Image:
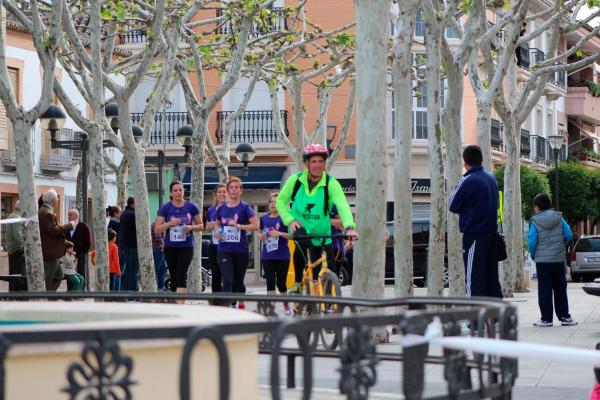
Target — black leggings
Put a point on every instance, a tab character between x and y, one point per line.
178	261
214	267
233	270
276	272
315	253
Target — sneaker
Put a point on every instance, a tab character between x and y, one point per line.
541	323
287	310
296	289
568	322
241	306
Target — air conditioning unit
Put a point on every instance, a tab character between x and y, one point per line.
152	180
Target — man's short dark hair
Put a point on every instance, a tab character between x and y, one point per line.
130	201
472	155
542	201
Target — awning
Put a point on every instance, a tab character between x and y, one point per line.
260	177
583	132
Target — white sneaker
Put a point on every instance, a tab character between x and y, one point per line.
541	323
287	310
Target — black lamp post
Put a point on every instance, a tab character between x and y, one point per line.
245	153
556	142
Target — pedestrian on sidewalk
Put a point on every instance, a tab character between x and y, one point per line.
475	199
548	235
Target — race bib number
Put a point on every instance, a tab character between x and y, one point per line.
272	244
176	234
231	234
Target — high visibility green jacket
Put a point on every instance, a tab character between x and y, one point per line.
308	207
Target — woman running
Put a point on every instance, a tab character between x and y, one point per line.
234	219
178	218
275	255
220	198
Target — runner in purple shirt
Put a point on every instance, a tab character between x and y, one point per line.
220	198
275	255
233	220
178	218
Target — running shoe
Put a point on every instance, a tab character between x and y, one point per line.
542	324
287	310
568	322
296	289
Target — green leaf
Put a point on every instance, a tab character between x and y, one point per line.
579	53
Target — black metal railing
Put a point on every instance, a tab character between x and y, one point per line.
542	149
537	55
525	144
277	22
522	54
166	125
468	375
251	127
496	135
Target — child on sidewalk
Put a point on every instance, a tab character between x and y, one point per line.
114	268
68	264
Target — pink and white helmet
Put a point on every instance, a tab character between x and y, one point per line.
315	149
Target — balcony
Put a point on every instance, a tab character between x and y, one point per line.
496	135
278	22
523	59
166	125
581	104
525	144
8	159
251	127
541	150
55	162
134	35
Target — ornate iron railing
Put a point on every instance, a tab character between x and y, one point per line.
537	55
251	127
134	34
496	135
542	150
523	59
277	22
525	144
166	125
468	376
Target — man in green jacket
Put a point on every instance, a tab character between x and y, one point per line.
15	249
305	202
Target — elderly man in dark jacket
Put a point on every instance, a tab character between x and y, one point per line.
52	236
82	241
548	235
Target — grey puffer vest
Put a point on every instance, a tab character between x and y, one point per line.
551	242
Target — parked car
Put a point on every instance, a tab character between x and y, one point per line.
585	258
420	228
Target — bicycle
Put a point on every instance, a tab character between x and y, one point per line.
327	284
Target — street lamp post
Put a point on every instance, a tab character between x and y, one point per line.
556	142
245	153
53	119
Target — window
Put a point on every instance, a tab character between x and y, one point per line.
550	124
420	122
451	33
420	25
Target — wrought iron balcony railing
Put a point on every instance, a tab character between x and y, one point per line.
523	59
525	144
278	22
251	127
166	125
496	135
134	35
537	55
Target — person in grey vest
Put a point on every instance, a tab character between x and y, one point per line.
548	235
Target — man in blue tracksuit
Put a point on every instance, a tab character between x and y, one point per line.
475	198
